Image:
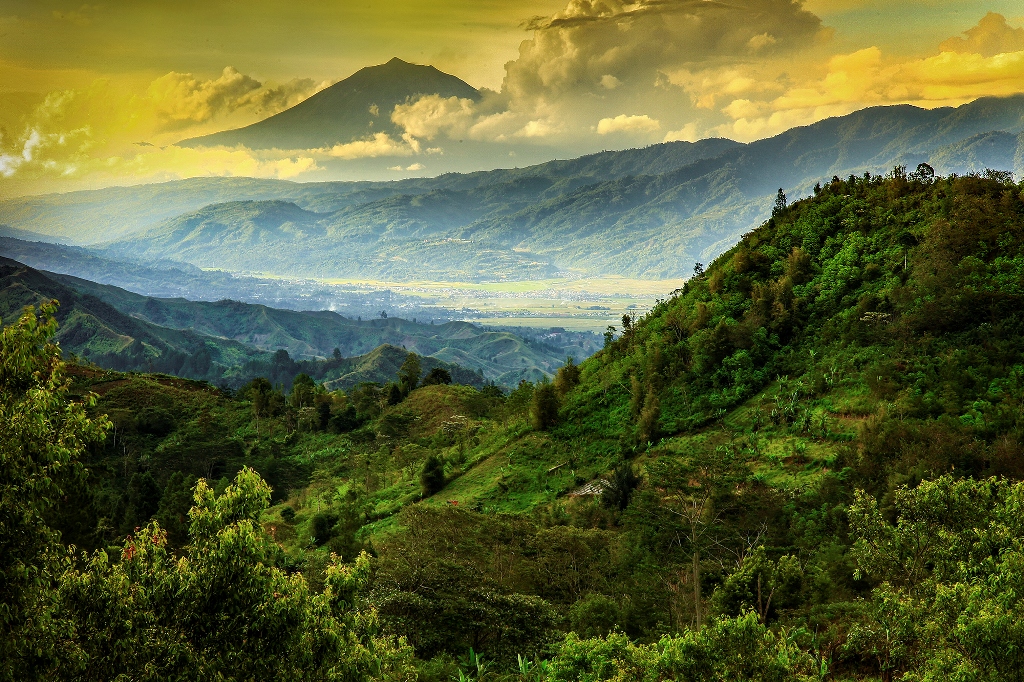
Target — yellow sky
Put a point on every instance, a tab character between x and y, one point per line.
87	88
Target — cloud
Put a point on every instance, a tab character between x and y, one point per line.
867	78
99	132
990	37
596	58
576	48
380	144
623	123
430	115
180	99
688	133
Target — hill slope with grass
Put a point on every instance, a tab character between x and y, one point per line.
807	461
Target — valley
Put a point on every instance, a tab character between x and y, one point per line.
535	341
849	371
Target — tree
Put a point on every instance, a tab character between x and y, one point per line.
42	435
697	492
948	559
621	486
780	203
303	391
432	479
409	373
544	407
260	392
567	377
226	609
438	375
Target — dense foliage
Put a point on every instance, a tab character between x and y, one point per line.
805	464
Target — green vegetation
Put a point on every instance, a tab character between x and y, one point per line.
230	342
804	464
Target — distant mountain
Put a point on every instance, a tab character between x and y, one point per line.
646	213
92	216
98	332
355	108
499	356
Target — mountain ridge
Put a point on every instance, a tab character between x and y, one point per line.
358	106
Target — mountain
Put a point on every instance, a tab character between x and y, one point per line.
98	332
649	224
171	279
92	216
352	109
499	356
645	213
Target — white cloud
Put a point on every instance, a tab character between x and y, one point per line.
627	124
380	144
990	37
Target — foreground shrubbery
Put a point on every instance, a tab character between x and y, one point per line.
870	339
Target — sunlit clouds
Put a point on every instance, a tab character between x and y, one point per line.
577	77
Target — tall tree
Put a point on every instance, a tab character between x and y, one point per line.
409	373
42	435
697	492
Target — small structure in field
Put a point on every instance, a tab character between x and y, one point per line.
594	488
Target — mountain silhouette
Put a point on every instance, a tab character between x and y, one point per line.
352	109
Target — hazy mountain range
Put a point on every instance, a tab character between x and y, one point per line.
117	328
646	212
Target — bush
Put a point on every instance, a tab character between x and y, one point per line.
544	407
432	479
321	527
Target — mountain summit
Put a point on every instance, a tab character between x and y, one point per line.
351	109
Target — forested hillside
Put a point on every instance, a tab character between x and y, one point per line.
804	464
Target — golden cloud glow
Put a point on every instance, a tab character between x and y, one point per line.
681	69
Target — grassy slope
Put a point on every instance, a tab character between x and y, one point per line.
867	337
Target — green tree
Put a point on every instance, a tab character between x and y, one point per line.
780	203
409	373
303	391
226	609
42	435
698	490
438	375
544	407
948	561
621	486
432	479
567	377
260	392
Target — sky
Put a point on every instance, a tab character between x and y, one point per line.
97	94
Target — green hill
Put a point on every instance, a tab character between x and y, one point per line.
92	327
98	332
500	356
868	338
